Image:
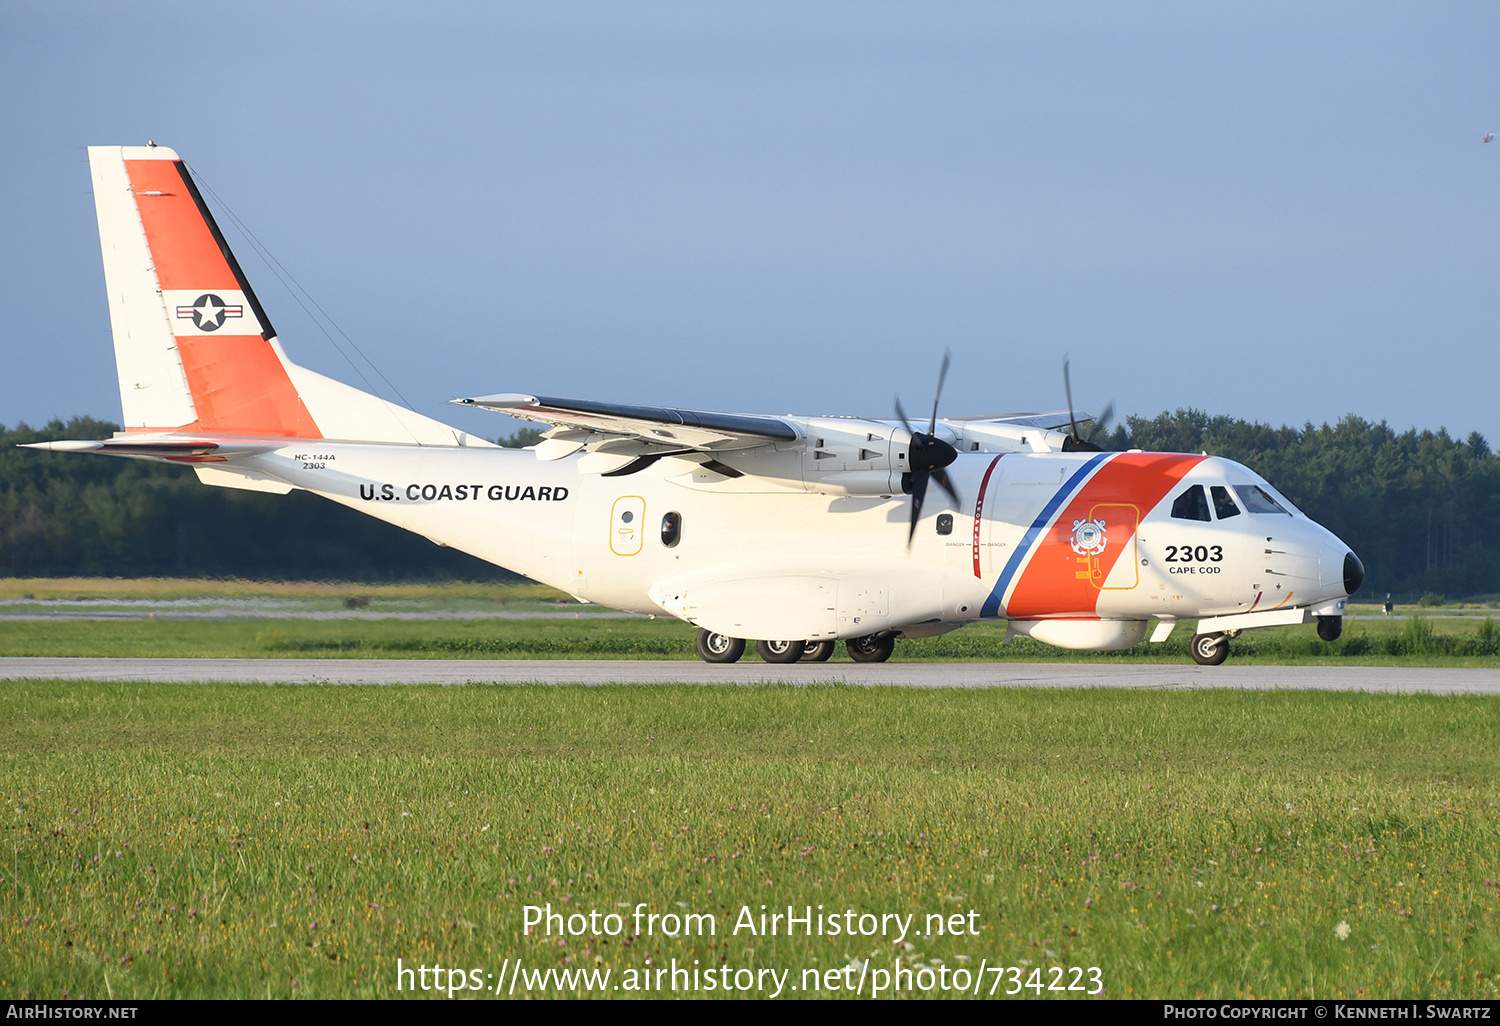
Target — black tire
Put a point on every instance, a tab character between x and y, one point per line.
1209	649
872	648
817	652
781	651
717	648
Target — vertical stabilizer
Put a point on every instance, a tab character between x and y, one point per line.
194	349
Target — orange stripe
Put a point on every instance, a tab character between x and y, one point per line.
240	387
238	384
1058	580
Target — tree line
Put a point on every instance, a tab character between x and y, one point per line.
1421	508
65	514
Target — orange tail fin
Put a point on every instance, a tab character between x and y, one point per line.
194	348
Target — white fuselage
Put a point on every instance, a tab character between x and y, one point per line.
820	565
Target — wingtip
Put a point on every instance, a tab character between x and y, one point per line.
500	401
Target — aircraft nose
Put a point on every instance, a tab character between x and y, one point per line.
1354	573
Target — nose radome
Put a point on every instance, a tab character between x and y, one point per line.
1354	573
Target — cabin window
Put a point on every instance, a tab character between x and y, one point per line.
671	529
945	523
1224	506
1191	505
1257	501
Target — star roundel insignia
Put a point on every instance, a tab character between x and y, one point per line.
209	312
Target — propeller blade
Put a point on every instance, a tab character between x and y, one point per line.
942	376
918	494
927	453
941	477
1068	391
1101	422
901	415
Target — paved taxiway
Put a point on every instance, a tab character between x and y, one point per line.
1429	680
310	614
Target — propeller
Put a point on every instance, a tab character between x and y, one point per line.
1074	442
927	455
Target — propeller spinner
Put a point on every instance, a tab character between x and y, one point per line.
927	455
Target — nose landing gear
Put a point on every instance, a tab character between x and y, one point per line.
1209	649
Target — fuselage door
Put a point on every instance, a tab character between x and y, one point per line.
1121	520
627	525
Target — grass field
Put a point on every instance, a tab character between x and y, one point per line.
1452	635
279	841
106	588
1472	641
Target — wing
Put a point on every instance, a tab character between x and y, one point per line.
1049	421
1024	432
624	430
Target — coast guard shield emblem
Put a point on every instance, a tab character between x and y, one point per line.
1088	537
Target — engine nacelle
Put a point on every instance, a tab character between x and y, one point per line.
1081	635
844	458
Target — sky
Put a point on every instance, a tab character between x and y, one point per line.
1281	212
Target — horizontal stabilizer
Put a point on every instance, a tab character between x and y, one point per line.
171	450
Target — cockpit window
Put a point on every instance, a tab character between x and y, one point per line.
1191	505
1224	506
1257	501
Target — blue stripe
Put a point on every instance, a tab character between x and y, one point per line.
991	606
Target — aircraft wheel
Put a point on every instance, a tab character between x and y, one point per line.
1209	649
817	652
872	648
716	648
781	651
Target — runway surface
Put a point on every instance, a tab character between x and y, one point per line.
312	614
1428	680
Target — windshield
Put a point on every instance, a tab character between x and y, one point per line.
1256	500
1224	506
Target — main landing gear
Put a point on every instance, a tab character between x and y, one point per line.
872	648
781	651
817	652
719	648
